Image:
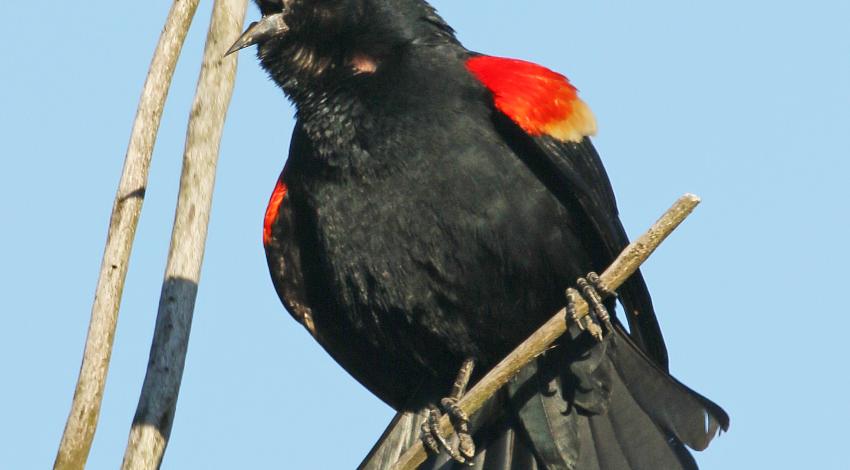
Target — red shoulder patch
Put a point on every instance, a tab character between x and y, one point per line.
273	209
540	101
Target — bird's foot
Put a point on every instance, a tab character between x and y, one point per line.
592	290
434	439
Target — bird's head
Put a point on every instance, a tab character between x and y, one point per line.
311	40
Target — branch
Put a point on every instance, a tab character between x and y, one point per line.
155	412
624	266
85	408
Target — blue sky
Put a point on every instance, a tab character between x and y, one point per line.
746	104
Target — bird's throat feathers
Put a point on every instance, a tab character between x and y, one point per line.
540	101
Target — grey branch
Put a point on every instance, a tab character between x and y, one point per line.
624	266
157	403
85	408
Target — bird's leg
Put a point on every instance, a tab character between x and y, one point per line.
431	435
459	417
591	289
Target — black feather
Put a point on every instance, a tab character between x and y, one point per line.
421	227
632	415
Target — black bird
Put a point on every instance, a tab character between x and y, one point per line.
434	207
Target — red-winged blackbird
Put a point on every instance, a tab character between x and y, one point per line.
435	204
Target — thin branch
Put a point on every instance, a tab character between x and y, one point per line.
157	403
624	266
85	409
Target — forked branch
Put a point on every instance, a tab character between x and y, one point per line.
85	408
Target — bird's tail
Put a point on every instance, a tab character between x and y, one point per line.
584	406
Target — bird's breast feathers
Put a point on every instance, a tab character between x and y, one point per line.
540	101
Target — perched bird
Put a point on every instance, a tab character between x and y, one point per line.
434	207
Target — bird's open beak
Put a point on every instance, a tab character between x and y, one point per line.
260	31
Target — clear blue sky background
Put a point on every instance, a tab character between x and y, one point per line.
745	103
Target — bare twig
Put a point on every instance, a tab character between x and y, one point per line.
624	266
155	412
85	409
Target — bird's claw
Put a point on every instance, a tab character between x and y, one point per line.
593	291
431	435
466	446
433	438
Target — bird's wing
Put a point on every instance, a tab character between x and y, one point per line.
291	275
539	113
